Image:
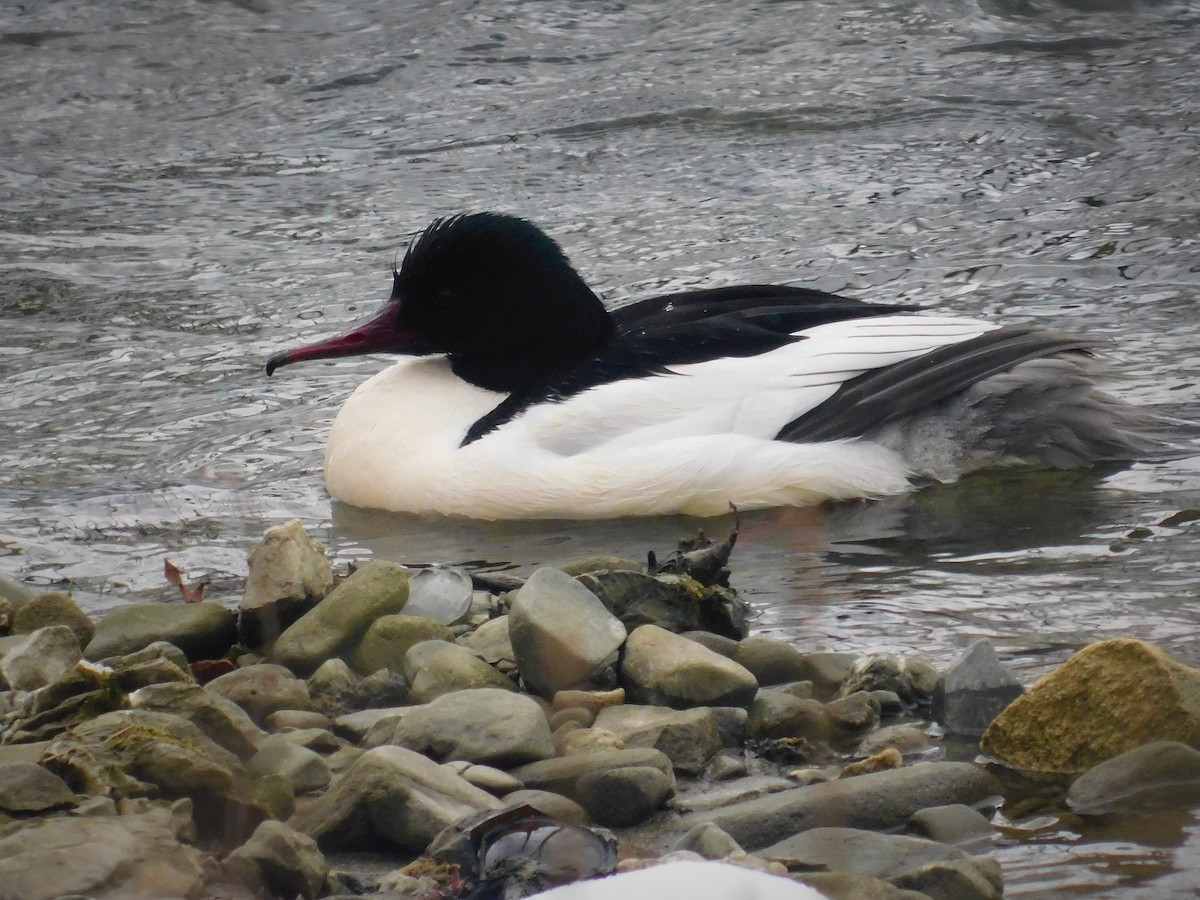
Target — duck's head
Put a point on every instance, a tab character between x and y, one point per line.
491	291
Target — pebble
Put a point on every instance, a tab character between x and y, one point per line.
201	630
1156	776
974	690
340	619
689	738
664	669
262	689
484	725
40	658
562	636
289	572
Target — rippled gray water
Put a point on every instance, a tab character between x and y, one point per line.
185	188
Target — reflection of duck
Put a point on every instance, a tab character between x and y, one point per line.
527	398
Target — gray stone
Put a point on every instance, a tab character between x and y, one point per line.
218	717
486	725
304	768
953	824
319	740
562	635
664	669
855	850
28	788
717	643
14	591
626	796
910	740
731	724
556	806
54	608
883	672
495	781
289	573
136	753
337	622
561	775
332	687
689	738
851	886
781	715
109	857
708	841
262	689
1155	776
828	671
977	878
975	689
42	657
880	800
201	630
453	668
492	642
394	796
356	726
290	719
421	653
389	637
280	861
771	660
853	714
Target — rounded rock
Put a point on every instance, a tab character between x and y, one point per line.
664	669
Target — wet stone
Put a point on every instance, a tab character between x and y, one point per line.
201	630
562	774
708	841
975	689
389	638
664	669
556	806
450	669
262	689
854	850
853	714
689	738
771	661
781	715
485	725
305	769
289	573
624	796
1156	776
40	658
218	717
26	787
53	608
977	878
280	861
953	824
339	621
393	796
562	635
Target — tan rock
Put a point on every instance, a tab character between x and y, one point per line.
1108	698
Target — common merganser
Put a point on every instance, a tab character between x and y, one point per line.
524	397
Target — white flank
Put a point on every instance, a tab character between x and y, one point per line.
692	441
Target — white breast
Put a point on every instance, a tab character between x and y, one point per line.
691	441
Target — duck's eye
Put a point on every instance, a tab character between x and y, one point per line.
444	297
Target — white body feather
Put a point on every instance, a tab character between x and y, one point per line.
691	442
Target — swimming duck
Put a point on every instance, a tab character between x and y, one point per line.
520	395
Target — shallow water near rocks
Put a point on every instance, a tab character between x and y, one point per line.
185	190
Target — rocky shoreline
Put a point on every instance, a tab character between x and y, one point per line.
404	733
